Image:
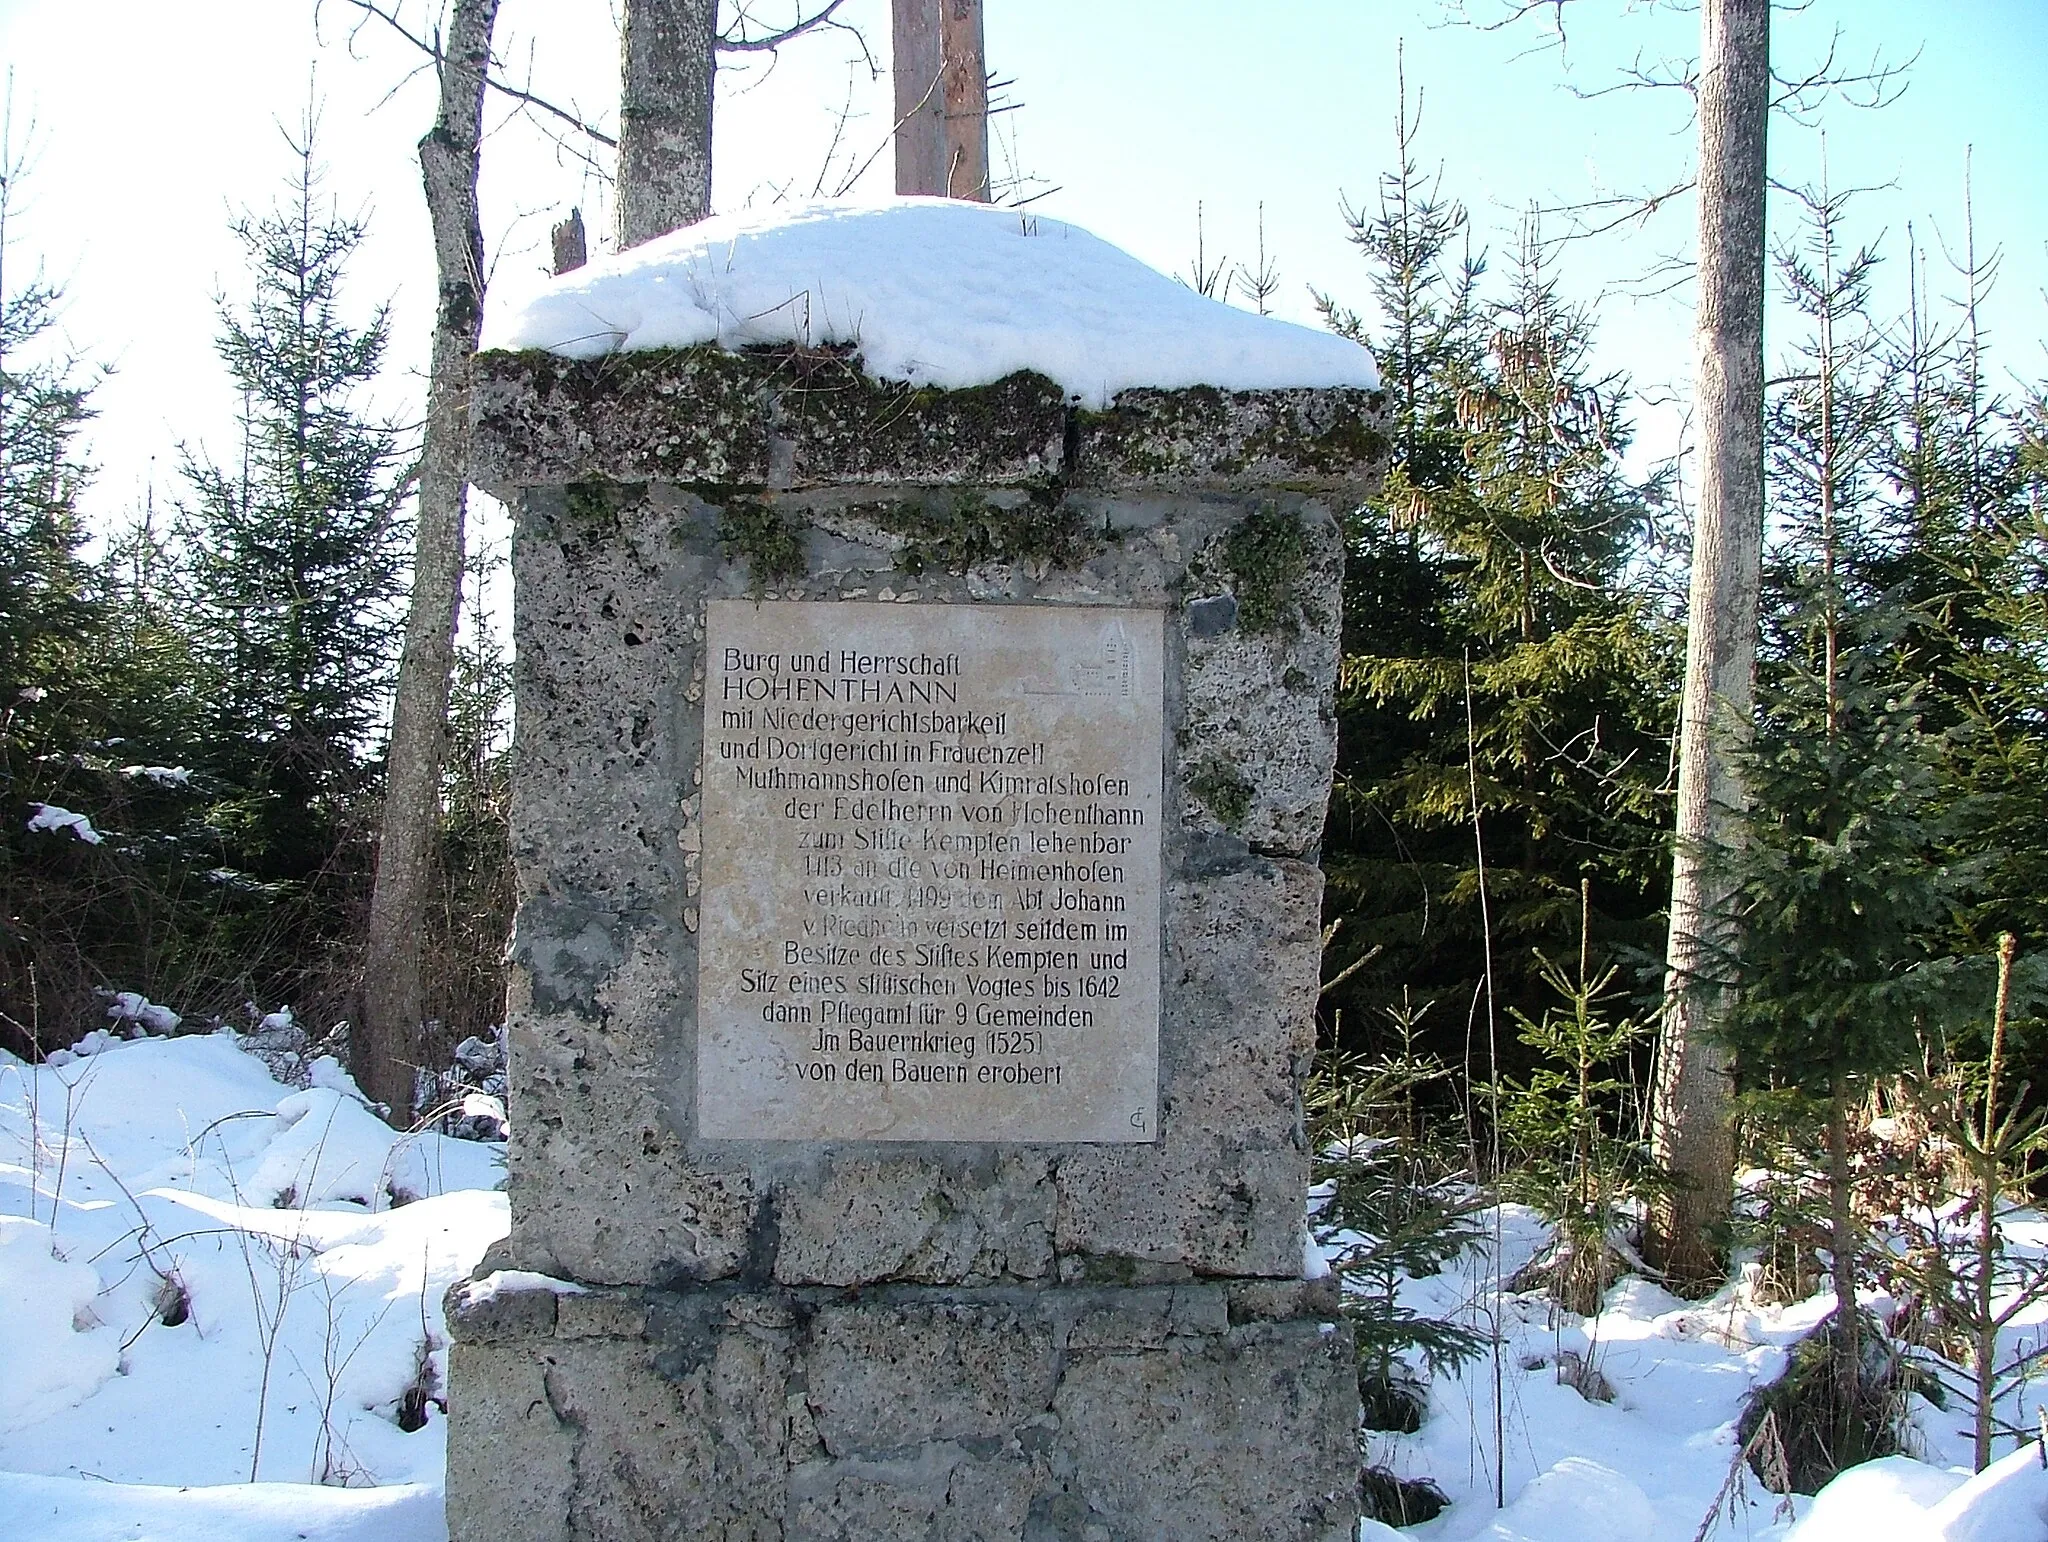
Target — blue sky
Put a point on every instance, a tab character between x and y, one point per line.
153	122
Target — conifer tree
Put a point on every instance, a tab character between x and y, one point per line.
48	612
142	668
1484	577
1424	280
1839	883
1967	555
96	706
1840	895
46	606
294	549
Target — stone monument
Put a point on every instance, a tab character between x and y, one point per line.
917	804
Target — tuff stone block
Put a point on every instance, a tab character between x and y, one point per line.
1052	1340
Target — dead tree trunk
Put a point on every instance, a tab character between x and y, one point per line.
668	66
941	99
570	248
1690	1131
386	1048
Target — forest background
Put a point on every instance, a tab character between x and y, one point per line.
210	697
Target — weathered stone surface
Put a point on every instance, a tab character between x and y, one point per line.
1275	1398
892	1375
912	1415
605	1195
661	1436
974	1222
794	418
1280	1300
1222	1193
776	418
614	1185
514	1466
493	1314
1260	743
1250	441
904	1341
1145	1318
942	1494
601	1314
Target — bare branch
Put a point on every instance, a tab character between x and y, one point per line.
890	139
1664	75
431	47
1878	85
527	98
1512	11
737	41
840	120
1612	213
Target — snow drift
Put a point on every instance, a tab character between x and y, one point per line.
929	291
310	1247
205	1277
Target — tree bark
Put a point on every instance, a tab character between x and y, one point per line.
667	68
570	248
386	1048
1842	1268
1690	1132
1988	1159
941	99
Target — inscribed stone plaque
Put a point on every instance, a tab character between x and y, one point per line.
930	905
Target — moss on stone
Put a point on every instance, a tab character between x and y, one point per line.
760	417
808	417
958	531
1311	436
1266	554
1109	1269
1223	791
770	542
1341	440
597	502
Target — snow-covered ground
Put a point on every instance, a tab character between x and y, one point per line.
193	1256
929	290
207	1276
1652	1461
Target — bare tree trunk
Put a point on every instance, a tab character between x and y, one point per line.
941	99
668	65
1989	1161
386	1047
1689	1119
1842	1267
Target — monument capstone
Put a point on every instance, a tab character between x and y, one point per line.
916	812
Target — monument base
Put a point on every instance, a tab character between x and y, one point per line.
1094	1414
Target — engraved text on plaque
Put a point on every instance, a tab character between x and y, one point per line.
930	903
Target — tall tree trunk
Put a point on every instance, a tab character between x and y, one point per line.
941	99
387	1044
1989	1160
1689	1119
667	68
1850	1441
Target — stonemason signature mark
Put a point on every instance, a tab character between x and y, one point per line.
1107	674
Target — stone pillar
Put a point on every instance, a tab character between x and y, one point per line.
1039	1273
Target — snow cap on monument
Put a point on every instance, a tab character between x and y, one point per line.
931	291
